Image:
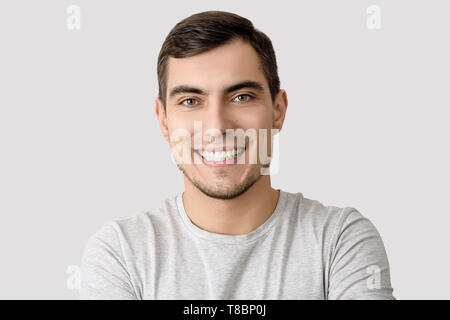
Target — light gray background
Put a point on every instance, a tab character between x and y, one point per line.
366	126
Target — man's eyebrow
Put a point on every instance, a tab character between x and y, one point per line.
250	84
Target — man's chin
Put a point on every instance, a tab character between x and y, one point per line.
223	193
219	190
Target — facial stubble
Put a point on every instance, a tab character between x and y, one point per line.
221	174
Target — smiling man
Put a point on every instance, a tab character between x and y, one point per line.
230	235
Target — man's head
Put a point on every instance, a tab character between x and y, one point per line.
217	69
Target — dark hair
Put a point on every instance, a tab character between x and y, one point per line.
210	29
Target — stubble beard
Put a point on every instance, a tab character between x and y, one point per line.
220	190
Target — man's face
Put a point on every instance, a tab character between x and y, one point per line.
216	108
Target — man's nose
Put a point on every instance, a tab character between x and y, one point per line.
216	121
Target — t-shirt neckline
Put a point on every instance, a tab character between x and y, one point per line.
233	239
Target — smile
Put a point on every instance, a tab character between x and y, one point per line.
221	155
219	158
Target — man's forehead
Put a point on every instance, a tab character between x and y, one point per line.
225	64
233	51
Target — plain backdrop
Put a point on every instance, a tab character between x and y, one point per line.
367	126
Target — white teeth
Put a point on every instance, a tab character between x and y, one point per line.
221	155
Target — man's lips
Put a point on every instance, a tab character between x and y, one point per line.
200	151
221	160
219	149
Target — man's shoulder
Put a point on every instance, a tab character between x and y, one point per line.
316	214
311	209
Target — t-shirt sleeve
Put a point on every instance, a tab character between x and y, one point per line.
104	274
359	268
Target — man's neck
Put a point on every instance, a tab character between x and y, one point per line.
240	215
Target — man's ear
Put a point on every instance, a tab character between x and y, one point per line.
162	119
279	109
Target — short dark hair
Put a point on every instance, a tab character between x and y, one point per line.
208	30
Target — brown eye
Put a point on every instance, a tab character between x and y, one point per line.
190	102
246	97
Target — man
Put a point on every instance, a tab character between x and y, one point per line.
230	235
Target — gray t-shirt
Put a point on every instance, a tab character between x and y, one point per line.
304	250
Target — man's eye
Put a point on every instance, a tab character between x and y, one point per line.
189	102
245	97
